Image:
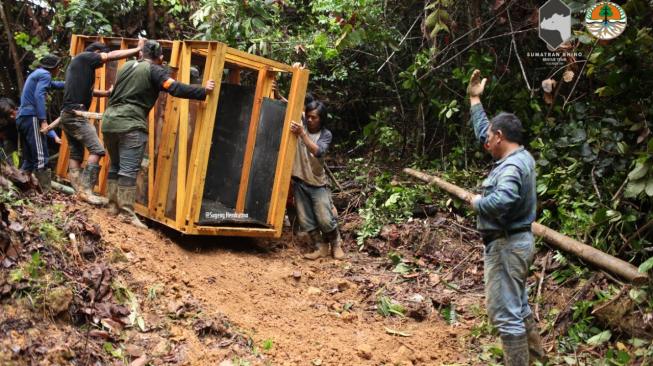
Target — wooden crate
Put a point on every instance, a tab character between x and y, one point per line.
230	175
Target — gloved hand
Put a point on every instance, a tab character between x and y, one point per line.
476	85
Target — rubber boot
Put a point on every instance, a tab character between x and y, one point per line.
44	177
88	180
515	349
112	195
322	250
534	341
126	197
73	177
336	244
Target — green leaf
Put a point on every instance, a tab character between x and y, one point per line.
639	171
649	187
634	188
394	257
646	266
604	91
258	23
402	268
321	40
600	338
392	200
16	275
639	296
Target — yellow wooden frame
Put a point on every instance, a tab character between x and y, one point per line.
191	167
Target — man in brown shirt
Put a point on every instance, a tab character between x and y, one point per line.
312	196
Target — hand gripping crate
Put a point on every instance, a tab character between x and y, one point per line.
220	166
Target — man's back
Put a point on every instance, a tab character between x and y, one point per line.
511	189
80	79
29	99
132	98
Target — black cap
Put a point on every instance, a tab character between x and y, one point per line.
49	61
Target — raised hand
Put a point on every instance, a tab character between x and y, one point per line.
476	85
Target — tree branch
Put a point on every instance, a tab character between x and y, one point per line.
514	45
400	43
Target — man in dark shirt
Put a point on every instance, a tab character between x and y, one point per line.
124	124
78	94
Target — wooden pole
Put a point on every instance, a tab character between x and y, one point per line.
588	253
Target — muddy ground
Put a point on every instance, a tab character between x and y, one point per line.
116	294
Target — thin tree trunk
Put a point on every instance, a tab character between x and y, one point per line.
474	14
12	48
150	19
588	253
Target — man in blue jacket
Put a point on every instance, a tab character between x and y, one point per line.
32	117
506	210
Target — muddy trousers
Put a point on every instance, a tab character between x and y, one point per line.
126	151
80	134
506	267
314	207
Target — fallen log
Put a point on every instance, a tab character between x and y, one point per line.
588	253
62	188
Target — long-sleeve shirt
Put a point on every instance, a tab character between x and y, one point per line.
32	101
309	167
137	88
509	192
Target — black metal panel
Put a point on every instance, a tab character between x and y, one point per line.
227	153
264	161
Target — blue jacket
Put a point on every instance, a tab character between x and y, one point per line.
509	197
32	102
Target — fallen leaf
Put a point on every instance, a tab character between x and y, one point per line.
397	333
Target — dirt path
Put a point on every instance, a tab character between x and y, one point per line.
310	313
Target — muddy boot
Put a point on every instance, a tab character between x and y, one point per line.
126	197
322	247
534	341
73	177
515	349
44	177
88	180
336	244
112	195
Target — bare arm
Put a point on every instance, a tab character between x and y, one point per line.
300	132
120	54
